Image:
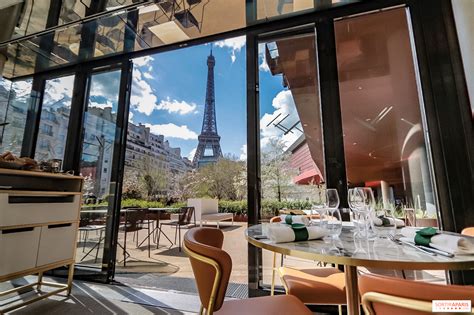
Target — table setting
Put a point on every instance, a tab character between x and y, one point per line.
374	238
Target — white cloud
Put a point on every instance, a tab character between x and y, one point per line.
191	154
263	66
173	131
243	153
235	44
101	105
174	106
284	105
143	61
59	89
148	75
143	99
130	116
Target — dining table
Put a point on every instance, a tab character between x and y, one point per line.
351	252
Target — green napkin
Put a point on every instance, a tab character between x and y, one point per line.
301	232
423	236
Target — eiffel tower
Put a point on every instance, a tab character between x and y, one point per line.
209	147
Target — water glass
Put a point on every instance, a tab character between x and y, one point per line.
333	223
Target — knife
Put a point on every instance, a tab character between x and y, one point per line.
437	251
418	247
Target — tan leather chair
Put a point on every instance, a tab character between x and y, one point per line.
212	267
387	296
469	231
325	286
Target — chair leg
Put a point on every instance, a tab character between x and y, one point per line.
149	255
272	292
179	231
98	246
339	308
175	234
125	249
159	234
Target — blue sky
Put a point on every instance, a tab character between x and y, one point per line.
169	89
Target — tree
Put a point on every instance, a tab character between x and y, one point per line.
131	187
224	179
154	179
276	169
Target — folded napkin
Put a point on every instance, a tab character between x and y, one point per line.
457	245
379	221
282	233
292	219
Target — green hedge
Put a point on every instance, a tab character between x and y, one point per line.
269	207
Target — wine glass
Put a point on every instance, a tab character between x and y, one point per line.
368	210
356	204
319	206
332	199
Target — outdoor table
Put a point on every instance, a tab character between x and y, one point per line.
353	253
158	223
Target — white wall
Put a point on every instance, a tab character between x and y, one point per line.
464	18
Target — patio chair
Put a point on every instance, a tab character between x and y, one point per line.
212	267
85	227
322	286
387	296
469	231
134	221
184	219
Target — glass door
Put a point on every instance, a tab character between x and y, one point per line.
99	134
291	136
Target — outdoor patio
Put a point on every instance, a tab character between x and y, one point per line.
168	268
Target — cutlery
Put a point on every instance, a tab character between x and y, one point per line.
400	242
437	251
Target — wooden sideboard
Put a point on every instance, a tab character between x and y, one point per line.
39	218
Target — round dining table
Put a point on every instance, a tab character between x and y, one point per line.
352	253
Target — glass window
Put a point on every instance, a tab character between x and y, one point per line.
96	161
54	119
384	139
14	102
292	154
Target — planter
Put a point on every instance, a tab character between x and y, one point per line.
425	222
240	218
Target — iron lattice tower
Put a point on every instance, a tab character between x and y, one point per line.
209	147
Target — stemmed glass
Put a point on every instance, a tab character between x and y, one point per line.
332	199
369	207
320	206
358	202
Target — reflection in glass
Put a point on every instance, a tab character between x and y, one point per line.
14	102
292	156
384	142
96	163
139	27
275	8
54	119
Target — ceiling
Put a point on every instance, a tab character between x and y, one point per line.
114	33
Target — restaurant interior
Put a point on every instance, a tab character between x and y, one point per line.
236	157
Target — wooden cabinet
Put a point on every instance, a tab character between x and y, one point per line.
39	219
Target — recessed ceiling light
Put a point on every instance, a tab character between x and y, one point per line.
367	119
355	143
359	87
306	125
